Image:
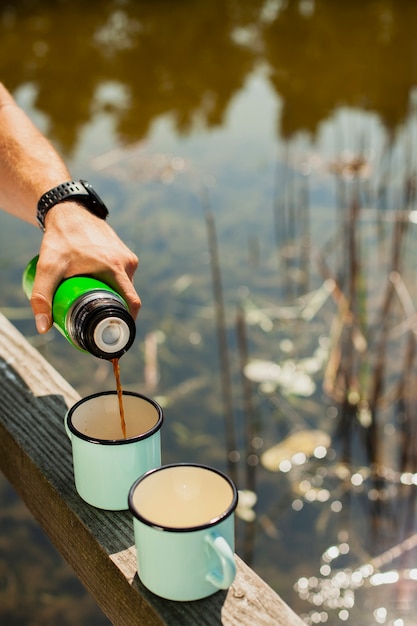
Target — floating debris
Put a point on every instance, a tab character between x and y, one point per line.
259	371
316	299
305	308
297	446
247	500
290	376
182	283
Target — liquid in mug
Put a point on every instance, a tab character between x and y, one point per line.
182	497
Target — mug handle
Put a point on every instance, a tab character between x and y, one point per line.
221	577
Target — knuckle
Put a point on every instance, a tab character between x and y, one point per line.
40	303
45	265
134	261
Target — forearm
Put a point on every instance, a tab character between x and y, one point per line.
75	241
29	165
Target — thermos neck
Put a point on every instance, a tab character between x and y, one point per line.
99	323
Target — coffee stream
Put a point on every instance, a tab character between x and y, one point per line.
116	370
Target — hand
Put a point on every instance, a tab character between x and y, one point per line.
76	242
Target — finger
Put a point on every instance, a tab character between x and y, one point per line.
132	300
42	312
43	290
131	266
123	285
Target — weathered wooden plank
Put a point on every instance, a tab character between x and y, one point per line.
35	457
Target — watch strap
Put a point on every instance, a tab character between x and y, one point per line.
78	191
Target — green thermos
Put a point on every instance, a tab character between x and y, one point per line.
91	315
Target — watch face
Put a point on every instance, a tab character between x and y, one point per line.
99	208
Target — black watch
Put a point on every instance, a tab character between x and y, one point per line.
79	191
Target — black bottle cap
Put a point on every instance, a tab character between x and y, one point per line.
105	328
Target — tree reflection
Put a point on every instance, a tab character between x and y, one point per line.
176	59
189	59
343	53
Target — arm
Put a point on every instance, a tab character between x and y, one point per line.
75	241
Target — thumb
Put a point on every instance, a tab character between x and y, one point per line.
42	309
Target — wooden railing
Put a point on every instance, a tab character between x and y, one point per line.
35	457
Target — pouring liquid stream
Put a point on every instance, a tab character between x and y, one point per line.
116	370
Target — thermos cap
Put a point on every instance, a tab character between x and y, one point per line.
100	323
111	335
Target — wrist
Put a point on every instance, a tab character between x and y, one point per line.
69	219
80	192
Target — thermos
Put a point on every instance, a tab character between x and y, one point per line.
91	315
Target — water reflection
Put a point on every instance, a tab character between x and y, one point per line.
366	370
140	60
297	256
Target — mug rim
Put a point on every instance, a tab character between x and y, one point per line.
175	529
114	442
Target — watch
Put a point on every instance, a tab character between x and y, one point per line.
79	191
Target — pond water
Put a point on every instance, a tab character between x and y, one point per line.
260	158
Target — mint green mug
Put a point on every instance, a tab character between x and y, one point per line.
105	462
183	519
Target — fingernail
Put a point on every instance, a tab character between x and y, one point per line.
42	323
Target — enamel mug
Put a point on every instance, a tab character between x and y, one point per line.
105	462
183	518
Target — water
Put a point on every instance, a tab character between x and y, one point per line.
262	165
